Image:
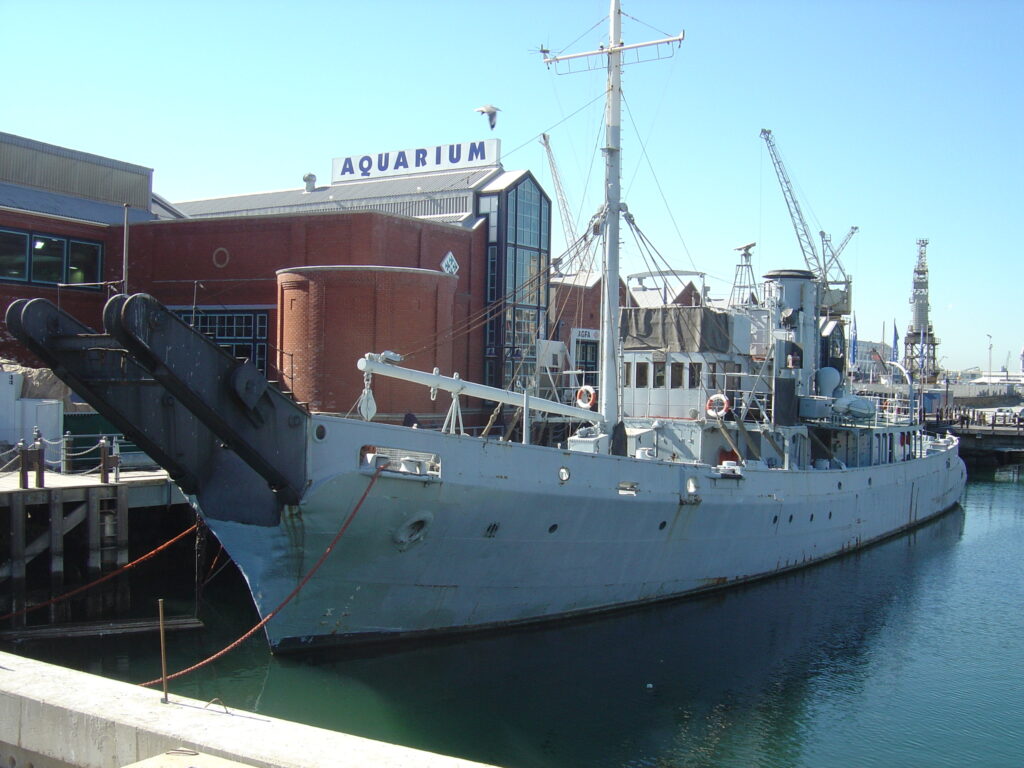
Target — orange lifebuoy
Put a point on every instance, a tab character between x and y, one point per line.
586	397
717	406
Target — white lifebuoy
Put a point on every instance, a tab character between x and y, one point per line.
718	406
586	397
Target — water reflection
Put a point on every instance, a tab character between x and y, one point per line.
713	680
722	680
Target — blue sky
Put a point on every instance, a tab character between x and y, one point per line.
901	117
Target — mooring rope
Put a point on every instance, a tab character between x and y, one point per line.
298	588
101	579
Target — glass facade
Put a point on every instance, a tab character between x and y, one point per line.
517	280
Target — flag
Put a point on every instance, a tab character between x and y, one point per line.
895	342
853	342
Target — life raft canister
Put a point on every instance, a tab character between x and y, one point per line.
586	397
718	406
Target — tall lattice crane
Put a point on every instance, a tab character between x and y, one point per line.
836	296
563	203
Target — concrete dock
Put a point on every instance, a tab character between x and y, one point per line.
52	717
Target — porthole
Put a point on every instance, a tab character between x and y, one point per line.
791	518
840	485
321	432
553	528
775	520
829	515
563	474
869	481
812	517
661	525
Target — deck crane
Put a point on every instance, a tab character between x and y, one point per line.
563	203
836	297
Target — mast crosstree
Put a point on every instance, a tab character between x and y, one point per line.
612	54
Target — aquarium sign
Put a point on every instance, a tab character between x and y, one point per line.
442	157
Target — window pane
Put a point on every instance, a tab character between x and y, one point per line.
13	255
627	378
83	262
47	259
677	375
545	217
641	375
694	376
659	375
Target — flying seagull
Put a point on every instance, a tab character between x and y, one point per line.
491	112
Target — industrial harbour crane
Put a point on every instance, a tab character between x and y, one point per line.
827	268
563	202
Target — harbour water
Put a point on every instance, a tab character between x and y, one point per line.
908	654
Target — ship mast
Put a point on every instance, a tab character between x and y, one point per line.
610	310
609	403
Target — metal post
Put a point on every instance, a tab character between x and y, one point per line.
163	649
65	454
22	465
104	468
40	458
526	416
124	254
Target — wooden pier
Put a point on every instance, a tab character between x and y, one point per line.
988	445
64	531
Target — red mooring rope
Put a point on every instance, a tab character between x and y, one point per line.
101	579
263	622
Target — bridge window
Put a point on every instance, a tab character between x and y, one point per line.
641	375
659	375
676	379
694	376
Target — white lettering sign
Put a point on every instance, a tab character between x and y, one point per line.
586	334
418	160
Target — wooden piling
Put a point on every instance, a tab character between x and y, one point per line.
123	585
94	562
58	611
17	549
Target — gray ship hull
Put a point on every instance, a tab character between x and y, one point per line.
502	534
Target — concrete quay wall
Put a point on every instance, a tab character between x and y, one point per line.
51	717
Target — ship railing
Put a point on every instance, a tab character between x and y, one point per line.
888	411
749	395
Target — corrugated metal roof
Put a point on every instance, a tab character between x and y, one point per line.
57	169
66	206
445	194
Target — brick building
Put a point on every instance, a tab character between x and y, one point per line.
449	263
